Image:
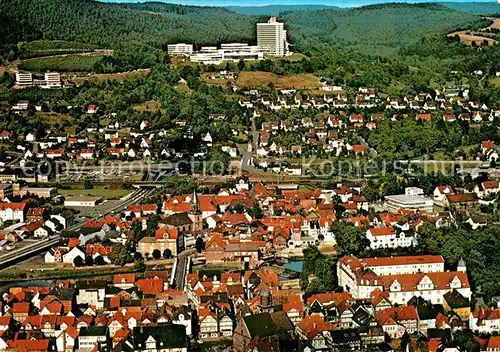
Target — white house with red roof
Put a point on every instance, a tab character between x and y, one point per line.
387	237
398	320
485	320
487	188
92	109
12	211
440	192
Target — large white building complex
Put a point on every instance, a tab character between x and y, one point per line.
24	78
413	199
231	52
271	40
271	37
50	80
402	278
180	49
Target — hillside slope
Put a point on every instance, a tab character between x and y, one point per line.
275	10
376	29
106	24
480	8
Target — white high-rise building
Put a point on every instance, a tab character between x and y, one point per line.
52	80
24	78
180	49
271	37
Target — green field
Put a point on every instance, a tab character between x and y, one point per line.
96	191
40	48
62	63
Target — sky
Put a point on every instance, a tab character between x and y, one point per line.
341	3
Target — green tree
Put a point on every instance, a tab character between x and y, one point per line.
89	261
167	254
465	339
350	240
311	256
218	162
314	286
156	254
78	261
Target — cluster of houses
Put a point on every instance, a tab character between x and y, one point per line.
96	142
127	314
328	132
20	220
382	300
291	99
290	219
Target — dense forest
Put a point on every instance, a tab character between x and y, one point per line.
113	25
375	30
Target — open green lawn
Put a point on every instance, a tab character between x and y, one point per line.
62	63
496	81
96	191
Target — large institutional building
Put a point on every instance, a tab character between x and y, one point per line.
231	52
402	277
271	40
271	37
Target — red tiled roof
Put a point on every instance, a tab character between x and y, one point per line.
493	342
29	345
396	314
461	197
487	145
150	286
358	148
402	260
21	307
313	325
166	233
425	117
328	297
490	184
73	242
487	314
382	231
13	206
124	278
293	302
216	238
441	280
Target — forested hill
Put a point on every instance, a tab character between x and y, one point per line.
375	29
275	10
481	8
107	24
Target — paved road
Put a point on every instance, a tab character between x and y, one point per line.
181	269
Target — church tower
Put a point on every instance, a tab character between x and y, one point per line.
195	213
462	266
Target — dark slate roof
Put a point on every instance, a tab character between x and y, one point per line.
429	311
456	300
91	284
261	325
345	336
178	219
165	335
93	331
